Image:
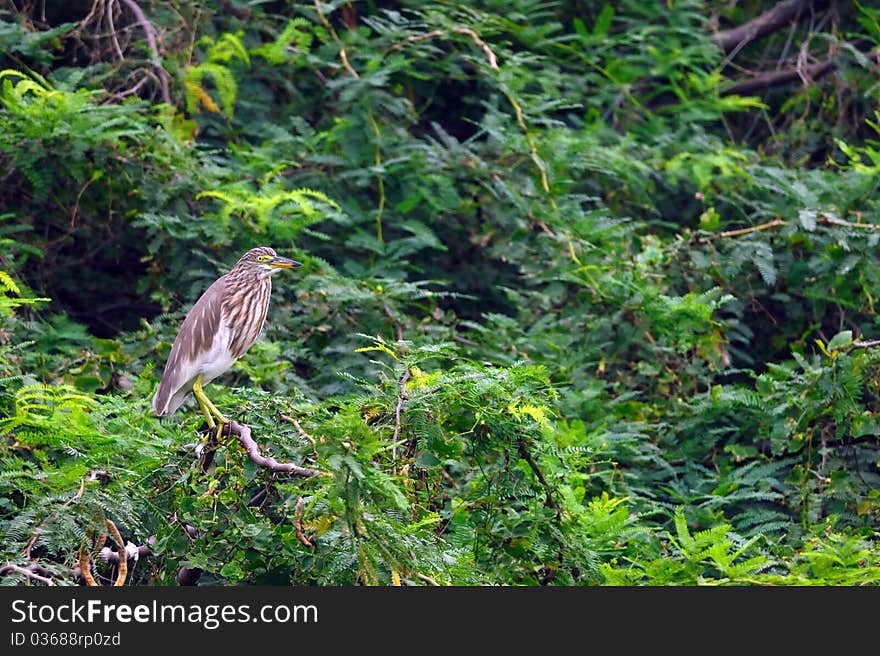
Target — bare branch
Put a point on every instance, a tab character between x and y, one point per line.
401	399
806	74
150	33
243	433
744	231
770	21
28	571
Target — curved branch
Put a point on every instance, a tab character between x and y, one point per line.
779	78
31	572
243	433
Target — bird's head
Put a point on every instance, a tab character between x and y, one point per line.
265	262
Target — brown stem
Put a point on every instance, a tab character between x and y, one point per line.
770	21
400	401
763	81
243	433
297	524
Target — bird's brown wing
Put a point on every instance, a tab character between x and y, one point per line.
193	340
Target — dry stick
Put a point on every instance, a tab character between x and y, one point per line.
113	37
26	571
299	428
122	573
297	524
243	433
830	220
150	33
849	224
806	74
400	401
744	231
869	344
426	579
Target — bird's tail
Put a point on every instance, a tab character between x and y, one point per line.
161	399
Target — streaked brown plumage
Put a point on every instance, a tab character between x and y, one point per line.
219	329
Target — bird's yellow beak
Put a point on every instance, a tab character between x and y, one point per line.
283	263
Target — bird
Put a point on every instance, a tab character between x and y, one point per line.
218	330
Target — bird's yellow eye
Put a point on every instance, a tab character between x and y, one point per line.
263	258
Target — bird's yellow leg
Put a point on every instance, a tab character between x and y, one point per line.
208	409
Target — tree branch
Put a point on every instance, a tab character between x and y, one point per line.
778	78
243	433
150	33
30	572
770	21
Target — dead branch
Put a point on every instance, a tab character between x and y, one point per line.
91	476
744	231
150	33
401	399
299	428
243	433
342	56
829	220
31	572
806	74
772	20
869	344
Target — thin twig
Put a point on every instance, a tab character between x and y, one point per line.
297	524
744	231
401	398
493	61
113	36
299	428
869	344
342	56
52	518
